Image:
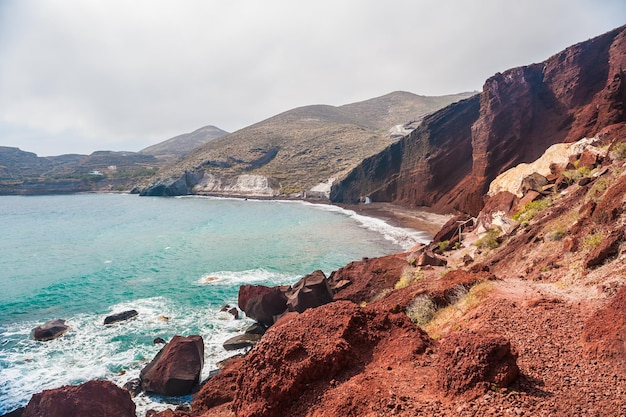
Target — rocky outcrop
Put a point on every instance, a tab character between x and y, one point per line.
50	330
604	335
117	317
317	347
449	161
176	369
173	187
241	185
93	398
309	292
363	280
470	361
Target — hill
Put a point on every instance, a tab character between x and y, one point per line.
181	145
300	148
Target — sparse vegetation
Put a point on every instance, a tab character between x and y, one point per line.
421	310
531	209
444	245
597	189
619	151
408	277
574	175
489	240
593	240
449	317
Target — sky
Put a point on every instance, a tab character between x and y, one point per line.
78	76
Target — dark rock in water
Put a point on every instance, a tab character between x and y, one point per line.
49	330
93	398
262	303
310	292
225	307
234	312
133	387
15	413
176	369
242	341
256	328
159	340
125	315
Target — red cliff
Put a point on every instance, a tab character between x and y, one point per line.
449	161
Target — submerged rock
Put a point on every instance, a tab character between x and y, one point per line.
125	315
50	330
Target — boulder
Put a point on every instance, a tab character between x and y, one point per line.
93	398
176	369
133	387
309	292
256	328
471	363
608	248
246	340
429	258
49	330
124	315
262	303
159	341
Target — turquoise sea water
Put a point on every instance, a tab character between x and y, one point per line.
82	257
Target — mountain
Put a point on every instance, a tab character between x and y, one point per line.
298	149
180	145
450	159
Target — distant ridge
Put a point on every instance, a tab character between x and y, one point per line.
181	145
300	148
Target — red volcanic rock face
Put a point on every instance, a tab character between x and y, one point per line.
448	162
368	277
93	398
318	346
474	361
604	335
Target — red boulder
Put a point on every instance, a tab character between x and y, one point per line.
262	303
175	370
93	398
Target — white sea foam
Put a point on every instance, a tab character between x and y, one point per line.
246	277
116	352
403	237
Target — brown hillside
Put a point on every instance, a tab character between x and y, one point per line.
302	147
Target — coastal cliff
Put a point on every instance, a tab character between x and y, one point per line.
449	161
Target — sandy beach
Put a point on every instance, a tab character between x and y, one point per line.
422	219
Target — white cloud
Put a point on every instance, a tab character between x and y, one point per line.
82	75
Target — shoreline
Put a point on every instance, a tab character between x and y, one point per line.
420	219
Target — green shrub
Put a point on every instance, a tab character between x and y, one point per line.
444	245
531	209
489	240
593	240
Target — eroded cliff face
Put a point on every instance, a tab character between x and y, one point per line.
449	161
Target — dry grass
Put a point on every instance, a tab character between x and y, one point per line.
449	318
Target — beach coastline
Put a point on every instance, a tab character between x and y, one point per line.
421	219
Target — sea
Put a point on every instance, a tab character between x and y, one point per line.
176	261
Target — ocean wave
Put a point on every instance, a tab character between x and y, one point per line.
252	276
118	352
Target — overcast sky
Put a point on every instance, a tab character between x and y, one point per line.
83	75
